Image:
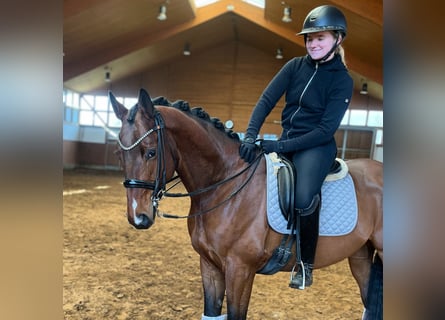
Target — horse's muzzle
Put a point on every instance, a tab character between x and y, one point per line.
143	222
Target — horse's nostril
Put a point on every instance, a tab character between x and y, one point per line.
143	222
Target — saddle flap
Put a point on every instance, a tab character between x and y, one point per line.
286	187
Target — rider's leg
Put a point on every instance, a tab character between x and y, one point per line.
312	166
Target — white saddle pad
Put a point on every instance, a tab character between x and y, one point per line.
338	215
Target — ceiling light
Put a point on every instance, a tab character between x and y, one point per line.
286	15
364	89
279	54
186	51
107	77
162	12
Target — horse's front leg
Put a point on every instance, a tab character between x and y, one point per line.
239	282
214	288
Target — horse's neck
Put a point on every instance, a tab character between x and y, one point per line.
203	159
201	168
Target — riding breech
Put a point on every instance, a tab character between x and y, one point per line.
312	166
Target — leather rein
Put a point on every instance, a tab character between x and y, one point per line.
159	186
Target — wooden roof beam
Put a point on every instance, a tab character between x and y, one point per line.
203	15
371	10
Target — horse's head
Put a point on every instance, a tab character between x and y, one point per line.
143	156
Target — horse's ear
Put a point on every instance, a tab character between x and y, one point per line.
145	102
119	109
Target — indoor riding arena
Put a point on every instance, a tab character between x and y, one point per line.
218	55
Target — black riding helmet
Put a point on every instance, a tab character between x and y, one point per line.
325	18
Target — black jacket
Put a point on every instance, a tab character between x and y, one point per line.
317	96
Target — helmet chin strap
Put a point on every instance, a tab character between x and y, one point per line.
328	54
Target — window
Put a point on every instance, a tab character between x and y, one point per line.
256	3
86	110
358	117
379	137
129	102
101	110
101	103
113	121
92	110
360	127
345	119
70	98
71	103
202	3
375	119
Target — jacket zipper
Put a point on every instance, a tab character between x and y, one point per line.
301	96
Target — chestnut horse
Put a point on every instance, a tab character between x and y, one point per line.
227	221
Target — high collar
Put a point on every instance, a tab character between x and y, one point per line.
334	64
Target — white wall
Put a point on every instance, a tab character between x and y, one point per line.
84	133
378	153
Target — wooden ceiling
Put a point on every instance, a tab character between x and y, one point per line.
127	37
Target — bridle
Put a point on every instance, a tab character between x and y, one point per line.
159	186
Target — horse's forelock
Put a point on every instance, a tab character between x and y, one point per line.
132	113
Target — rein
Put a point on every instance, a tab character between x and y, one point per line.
215	185
256	162
159	185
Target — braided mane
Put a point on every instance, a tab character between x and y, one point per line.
197	112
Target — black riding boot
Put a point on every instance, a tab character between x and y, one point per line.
308	241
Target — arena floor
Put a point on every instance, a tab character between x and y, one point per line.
113	271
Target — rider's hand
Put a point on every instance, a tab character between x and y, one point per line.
270	146
247	149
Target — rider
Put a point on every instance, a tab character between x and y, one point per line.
318	89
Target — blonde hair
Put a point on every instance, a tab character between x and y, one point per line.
341	52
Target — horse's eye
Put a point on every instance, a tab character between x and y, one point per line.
150	154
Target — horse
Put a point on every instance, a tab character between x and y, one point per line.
159	142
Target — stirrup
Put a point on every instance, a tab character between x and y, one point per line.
302	278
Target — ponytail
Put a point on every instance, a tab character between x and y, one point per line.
338	49
341	52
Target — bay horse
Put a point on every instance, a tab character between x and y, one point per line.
227	220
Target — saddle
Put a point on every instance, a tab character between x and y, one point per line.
285	190
286	178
